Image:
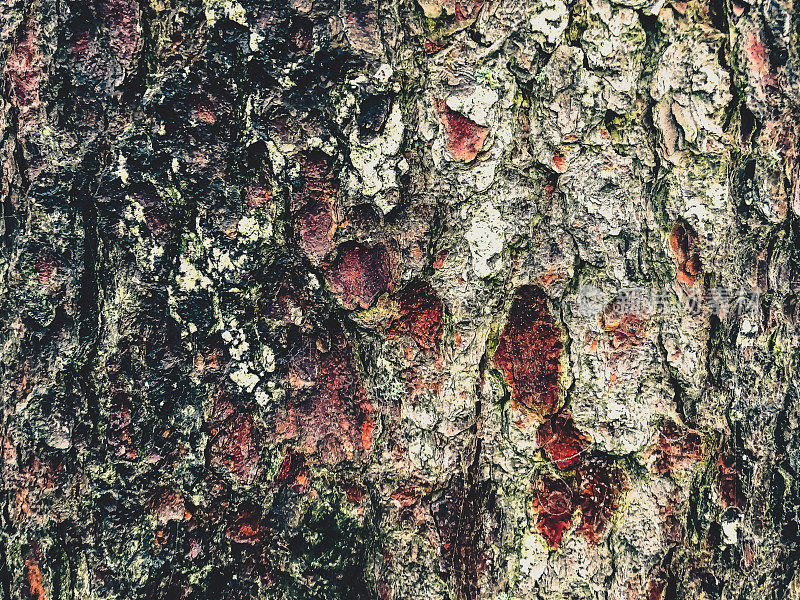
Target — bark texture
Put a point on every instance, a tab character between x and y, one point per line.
390	299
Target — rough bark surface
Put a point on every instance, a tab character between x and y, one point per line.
390	299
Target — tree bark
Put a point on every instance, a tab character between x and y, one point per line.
400	299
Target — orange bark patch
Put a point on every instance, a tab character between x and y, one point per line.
421	316
529	350
683	241
561	441
246	527
33	576
168	505
359	274
354	492
257	196
464	137
559	162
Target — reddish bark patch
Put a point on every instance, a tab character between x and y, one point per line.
431	47
354	492
600	485
156	214
360	274
529	350
758	60
361	27
559	162
236	446
468	11
294	472
26	71
45	266
33	578
313	204
121	17
168	505
257	195
301	34
336	418
203	111
729	484
120	433
561	441
253	542
421	316
246	527
464	137
626	328
684	242
554	503
678	447
656	586
459	517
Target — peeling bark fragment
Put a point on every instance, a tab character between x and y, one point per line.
236	446
294	472
464	137
683	241
627	328
421	314
553	501
360	274
335	418
313	204
529	350
599	485
562	441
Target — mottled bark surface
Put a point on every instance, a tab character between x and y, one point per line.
400	299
